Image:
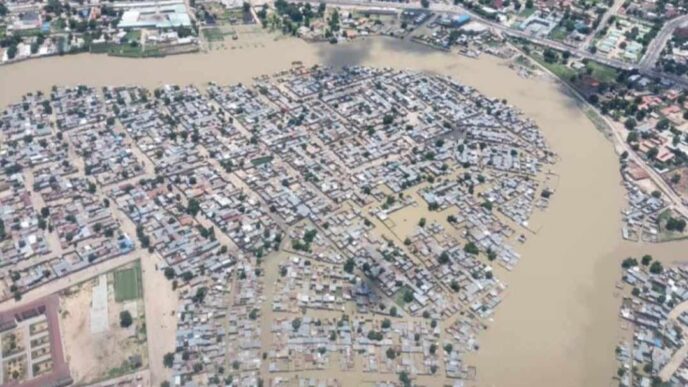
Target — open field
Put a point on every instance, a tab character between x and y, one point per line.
682	186
601	72
559	33
116	351
128	284
666	235
214	34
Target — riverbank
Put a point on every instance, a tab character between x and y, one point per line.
557	324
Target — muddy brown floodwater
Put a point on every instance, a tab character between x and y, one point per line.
557	325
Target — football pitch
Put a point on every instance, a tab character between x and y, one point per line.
128	284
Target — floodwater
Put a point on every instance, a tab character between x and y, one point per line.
557	325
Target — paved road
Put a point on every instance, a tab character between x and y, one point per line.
613	10
668	192
655	47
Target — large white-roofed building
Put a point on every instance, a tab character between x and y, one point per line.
158	16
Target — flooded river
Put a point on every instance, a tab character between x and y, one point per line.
557	325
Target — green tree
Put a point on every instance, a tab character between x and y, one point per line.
349	265
471	248
125	319
674	224
656	267
662	124
403	376
408	296
193	207
652	153
629	262
491	255
168	360
12	51
391	354
454	285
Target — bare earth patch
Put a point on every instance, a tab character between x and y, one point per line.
98	356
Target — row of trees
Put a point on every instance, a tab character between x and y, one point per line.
647	260
298	12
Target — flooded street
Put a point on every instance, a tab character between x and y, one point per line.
557	325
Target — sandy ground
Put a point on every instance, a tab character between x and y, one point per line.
161	308
557	325
137	379
92	356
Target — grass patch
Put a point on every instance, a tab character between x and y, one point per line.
261	160
58	25
526	12
233	15
128	51
598	121
214	34
664	216
560	70
602	73
559	33
399	296
26	33
102	48
522	60
128	284
667	235
133	35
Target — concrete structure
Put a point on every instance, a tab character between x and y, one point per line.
164	16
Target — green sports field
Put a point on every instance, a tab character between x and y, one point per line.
128	284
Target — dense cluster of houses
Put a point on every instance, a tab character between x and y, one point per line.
674	56
317	164
54	223
32	29
655	316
